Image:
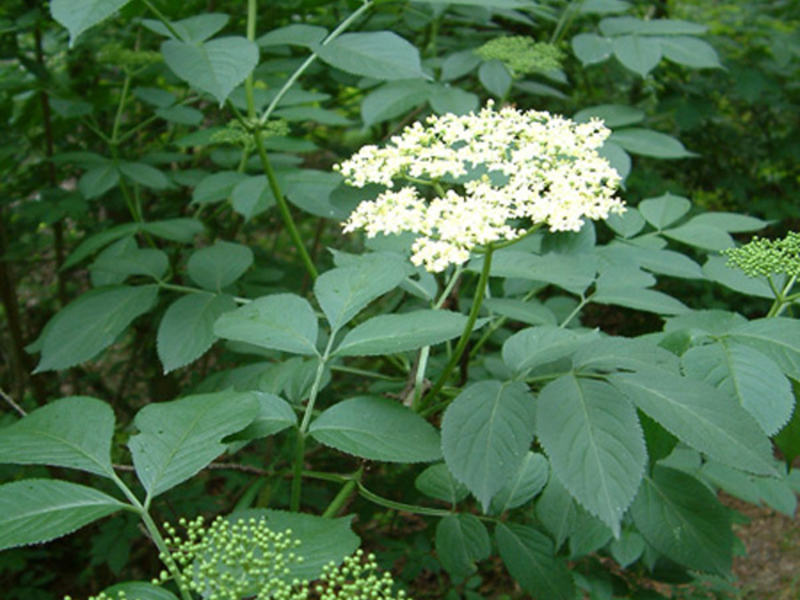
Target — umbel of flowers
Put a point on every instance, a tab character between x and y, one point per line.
490	177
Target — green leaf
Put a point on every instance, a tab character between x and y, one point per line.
274	415
717	269
667	262
649	143
557	511
39	510
618	158
701	417
715	322
744	373
438	482
683	520
312	113
628	224
182	115
641	299
377	428
624	354
72	432
628	548
777	337
665	210
604	6
595	444
590	48
131	261
730	222
196	29
281	322
393	99
311	189
537	346
252	196
788	439
529	557
447	99
461	541
458	64
98	241
140	590
494	76
296	34
79	15
700	236
88	325
572	273
218	266
392	334
144	174
179	438
690	52
344	292
531	312
216	67
637	54
175	230
187	328
378	54
486	433
497	4
322	540
98	180
631	25
217	187
613	115
529	480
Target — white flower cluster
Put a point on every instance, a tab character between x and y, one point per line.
505	170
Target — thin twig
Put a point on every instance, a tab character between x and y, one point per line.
13	404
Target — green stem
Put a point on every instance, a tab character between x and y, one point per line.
307	63
574	313
190	290
782	297
411	508
480	291
566	20
164	20
344	494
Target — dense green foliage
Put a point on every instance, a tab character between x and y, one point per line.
190	333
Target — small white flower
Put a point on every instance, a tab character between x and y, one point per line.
548	165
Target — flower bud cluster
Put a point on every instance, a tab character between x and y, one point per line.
762	257
522	54
505	171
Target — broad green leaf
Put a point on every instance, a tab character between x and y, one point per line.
447	99
144	174
196	29
79	15
744	373
344	292
486	433
649	143
391	334
187	328
530	559
296	34
531	312
458	64
322	540
311	189
39	510
777	337
665	210
641	299
529	480
218	266
700	236
281	322
715	322
730	222
274	415
690	52
312	113
628	224
436	481
537	346
637	54
590	48
595	444
217	187
461	541
631	25
788	439
98	241
179	438
377	428
736	483
604	6
557	511
683	520
98	180
612	115
155	96
624	354
182	115
628	548
572	273
378	54
216	67
667	262
252	196
131	261
589	536
175	230
88	325
701	417
494	76
717	269
393	99
139	590
498	4
618	158
72	432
